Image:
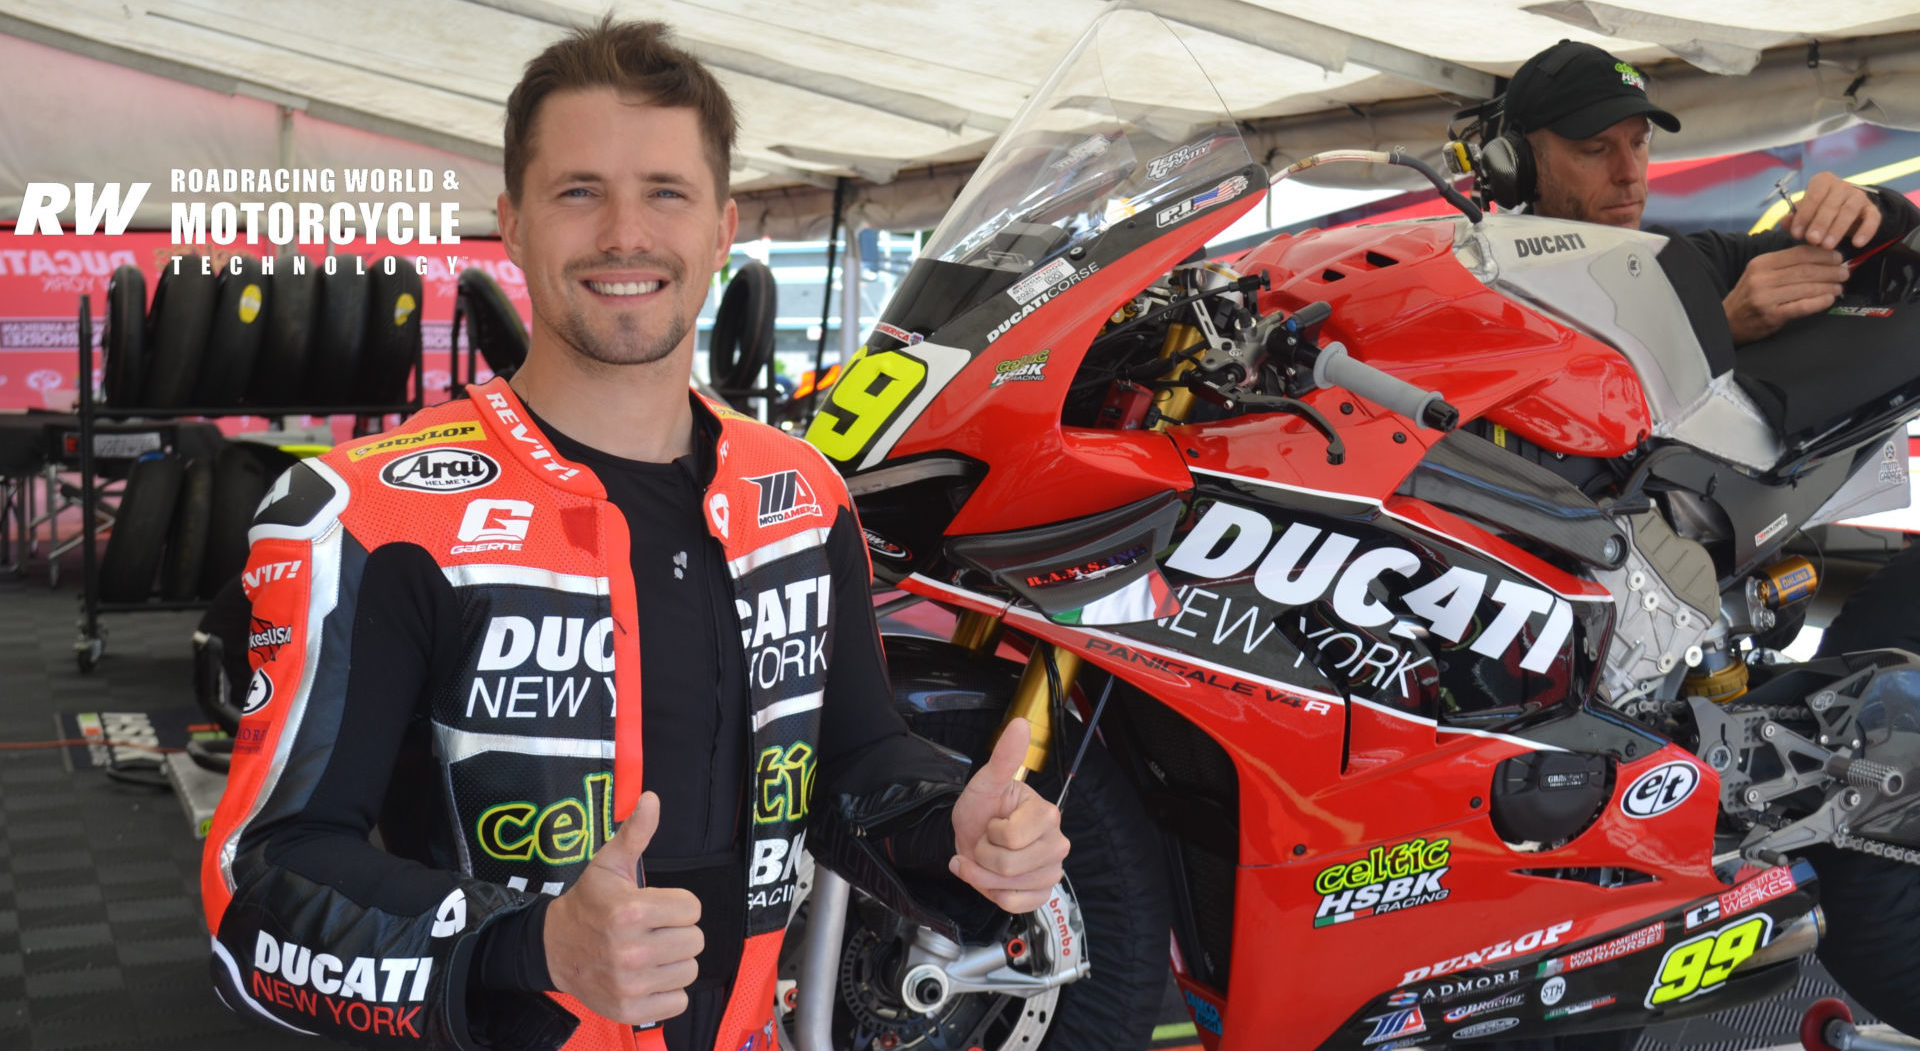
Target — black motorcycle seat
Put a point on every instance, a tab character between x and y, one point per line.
1820	371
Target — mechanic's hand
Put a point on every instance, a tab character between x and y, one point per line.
1780	286
1831	209
623	950
1006	838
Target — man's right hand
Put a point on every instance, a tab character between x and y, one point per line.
625	951
1780	286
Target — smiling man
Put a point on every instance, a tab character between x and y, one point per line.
623	586
1588	124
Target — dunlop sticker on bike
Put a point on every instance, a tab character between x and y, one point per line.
1388	879
1703	963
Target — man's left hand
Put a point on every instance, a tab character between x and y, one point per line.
1831	209
1006	837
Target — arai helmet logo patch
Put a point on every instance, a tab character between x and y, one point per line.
440	470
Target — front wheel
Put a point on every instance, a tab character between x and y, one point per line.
1115	879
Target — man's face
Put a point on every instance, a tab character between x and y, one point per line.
619	226
1602	179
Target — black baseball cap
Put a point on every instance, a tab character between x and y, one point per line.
1578	91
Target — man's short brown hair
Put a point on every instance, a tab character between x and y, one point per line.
635	59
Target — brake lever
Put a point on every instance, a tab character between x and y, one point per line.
1336	449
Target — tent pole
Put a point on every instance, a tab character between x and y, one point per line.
826	297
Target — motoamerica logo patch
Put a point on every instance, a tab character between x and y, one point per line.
785	496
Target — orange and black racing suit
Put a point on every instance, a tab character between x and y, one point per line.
445	622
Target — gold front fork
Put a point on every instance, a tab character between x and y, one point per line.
1031	701
979	634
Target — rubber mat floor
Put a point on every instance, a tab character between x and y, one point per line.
101	938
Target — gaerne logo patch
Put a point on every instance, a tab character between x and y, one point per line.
493	525
440	470
785	496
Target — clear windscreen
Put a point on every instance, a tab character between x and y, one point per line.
1127	123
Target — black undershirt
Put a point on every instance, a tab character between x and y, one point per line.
694	713
693	692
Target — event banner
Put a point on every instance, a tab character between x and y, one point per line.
42	279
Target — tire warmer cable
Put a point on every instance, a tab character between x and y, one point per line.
1053	683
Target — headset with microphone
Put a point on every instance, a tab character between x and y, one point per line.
1493	151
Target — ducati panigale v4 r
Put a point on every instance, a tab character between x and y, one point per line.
1397	607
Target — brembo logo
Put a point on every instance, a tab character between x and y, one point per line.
1547	245
1228	541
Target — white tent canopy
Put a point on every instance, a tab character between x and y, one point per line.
899	98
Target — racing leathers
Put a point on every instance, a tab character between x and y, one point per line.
510	771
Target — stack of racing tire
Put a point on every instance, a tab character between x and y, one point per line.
241	338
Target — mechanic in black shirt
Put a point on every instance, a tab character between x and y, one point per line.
1574	128
1577	126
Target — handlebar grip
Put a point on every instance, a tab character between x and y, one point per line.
1336	368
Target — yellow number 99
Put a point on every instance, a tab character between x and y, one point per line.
869	394
1704	963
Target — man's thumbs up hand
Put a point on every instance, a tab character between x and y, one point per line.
625	951
621	855
1007	839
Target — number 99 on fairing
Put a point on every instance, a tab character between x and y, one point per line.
1704	963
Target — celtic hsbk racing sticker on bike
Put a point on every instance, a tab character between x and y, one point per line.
1389	879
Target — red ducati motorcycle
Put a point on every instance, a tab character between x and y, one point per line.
1396	607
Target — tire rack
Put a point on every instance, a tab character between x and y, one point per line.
91	644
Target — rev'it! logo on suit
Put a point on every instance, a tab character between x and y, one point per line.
785	496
